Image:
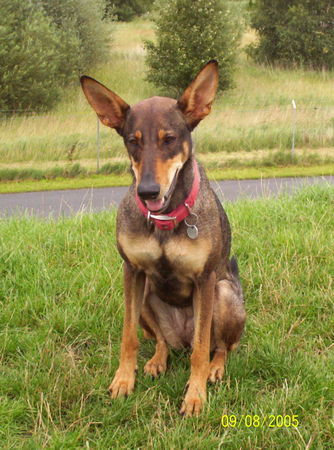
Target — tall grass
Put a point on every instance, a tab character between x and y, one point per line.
61	311
256	114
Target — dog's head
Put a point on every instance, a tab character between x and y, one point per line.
156	131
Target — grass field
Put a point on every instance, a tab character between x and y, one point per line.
60	324
255	115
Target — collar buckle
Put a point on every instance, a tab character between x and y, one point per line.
162	217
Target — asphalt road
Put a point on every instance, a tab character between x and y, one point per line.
65	203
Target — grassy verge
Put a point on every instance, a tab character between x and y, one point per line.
60	326
98	181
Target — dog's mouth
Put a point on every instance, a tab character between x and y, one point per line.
155	205
160	205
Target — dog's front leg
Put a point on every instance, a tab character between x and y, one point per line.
124	380
200	358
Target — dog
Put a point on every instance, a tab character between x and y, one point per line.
174	236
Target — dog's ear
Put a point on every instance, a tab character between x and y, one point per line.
109	107
195	103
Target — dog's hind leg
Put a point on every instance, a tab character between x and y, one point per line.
158	363
228	323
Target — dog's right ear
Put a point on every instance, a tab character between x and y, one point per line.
109	107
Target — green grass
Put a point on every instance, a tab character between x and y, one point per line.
60	324
99	181
93	181
64	171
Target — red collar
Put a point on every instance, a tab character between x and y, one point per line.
169	221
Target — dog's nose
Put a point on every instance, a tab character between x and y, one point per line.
148	189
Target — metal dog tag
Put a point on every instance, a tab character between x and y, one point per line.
192	231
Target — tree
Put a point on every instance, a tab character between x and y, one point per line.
189	34
126	10
294	32
84	35
29	60
44	45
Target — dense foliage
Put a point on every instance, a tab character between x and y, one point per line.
294	32
43	45
83	34
189	34
29	61
126	10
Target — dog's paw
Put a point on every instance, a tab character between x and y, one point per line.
216	372
193	402
155	367
122	384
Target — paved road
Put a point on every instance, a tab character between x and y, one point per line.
65	203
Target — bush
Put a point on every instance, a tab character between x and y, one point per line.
294	32
84	36
44	46
29	60
115	168
126	10
189	34
71	171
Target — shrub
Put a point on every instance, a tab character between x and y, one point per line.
84	35
189	34
126	10
294	32
45	45
75	170
72	171
116	168
29	59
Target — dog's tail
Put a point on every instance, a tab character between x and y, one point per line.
234	267
235	276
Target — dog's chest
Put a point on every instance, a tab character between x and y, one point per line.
182	256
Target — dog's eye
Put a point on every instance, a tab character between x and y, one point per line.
133	141
169	138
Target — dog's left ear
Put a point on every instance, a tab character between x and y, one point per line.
195	103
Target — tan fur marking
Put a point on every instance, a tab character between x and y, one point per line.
138	134
161	134
141	254
106	121
186	151
136	167
189	257
165	171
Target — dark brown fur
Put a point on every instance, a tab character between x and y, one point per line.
183	292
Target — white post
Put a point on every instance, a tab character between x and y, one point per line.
97	144
294	108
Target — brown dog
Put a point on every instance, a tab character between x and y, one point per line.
175	239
